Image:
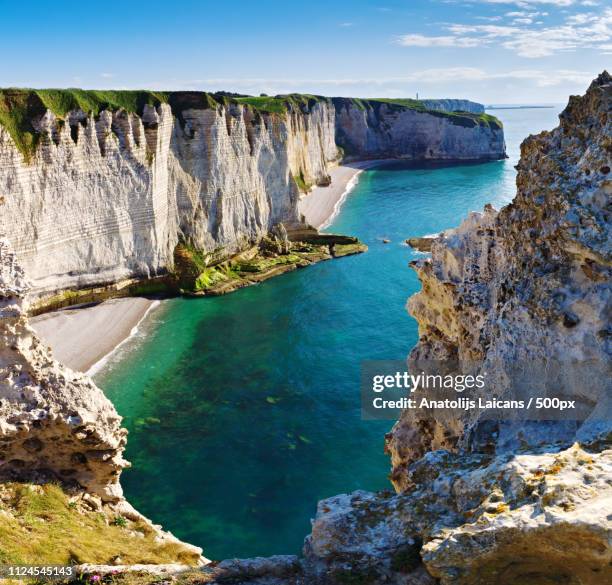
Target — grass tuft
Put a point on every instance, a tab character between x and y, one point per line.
40	524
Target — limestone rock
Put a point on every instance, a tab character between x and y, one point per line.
532	518
54	423
503	502
421	244
105	199
528	284
377	130
453	105
108	199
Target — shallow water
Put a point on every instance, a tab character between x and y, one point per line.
243	410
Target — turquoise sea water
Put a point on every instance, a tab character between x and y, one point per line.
244	411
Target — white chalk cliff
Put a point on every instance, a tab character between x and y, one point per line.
107	197
377	129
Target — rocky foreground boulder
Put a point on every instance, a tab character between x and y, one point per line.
54	423
58	427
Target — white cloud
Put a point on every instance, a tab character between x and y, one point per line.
416	40
527	3
523	36
346	24
106	75
488	31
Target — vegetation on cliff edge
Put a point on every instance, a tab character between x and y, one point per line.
42	524
20	109
281	104
466	119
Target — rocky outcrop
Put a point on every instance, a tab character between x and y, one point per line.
531	518
452	105
53	422
94	199
529	285
377	129
504	501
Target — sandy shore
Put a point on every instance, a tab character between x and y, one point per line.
322	204
81	337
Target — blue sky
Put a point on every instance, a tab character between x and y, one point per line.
494	51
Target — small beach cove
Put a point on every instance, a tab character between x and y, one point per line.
243	410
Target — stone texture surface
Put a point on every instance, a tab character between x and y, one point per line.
378	130
510	502
53	422
56	424
527	285
476	503
114	203
533	518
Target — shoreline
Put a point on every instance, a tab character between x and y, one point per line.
84	338
97	366
321	205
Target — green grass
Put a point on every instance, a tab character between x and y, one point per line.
403	102
261	263
466	119
62	101
19	108
301	183
281	104
212	276
188	260
41	525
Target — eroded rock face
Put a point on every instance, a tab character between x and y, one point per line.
535	518
477	503
107	199
454	105
54	423
104	199
530	284
377	130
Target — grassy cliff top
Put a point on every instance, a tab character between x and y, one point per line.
282	103
467	119
21	108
